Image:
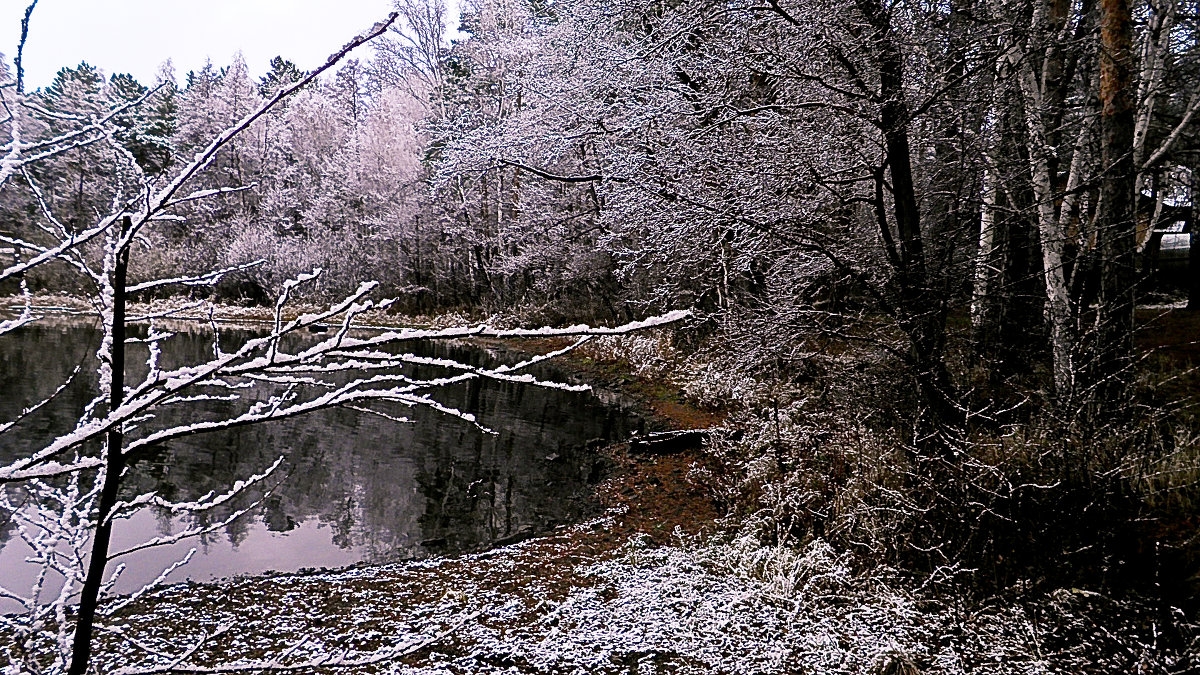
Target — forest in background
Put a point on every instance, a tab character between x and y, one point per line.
914	237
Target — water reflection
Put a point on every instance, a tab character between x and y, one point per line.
355	487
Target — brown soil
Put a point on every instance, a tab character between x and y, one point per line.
1172	332
1169	339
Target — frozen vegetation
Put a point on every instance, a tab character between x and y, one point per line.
896	258
688	607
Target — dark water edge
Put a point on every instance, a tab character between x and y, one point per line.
354	488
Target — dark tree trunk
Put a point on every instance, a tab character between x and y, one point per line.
1116	232
953	177
922	311
89	597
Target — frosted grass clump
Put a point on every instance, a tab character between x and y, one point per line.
650	355
710	384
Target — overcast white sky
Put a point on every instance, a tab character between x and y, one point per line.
135	36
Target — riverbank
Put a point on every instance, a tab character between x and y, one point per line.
656	583
651	586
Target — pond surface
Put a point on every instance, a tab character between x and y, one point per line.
353	488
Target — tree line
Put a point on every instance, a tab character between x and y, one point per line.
969	188
1006	161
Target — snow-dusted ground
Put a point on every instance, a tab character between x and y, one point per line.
564	604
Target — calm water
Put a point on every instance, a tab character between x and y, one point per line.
353	488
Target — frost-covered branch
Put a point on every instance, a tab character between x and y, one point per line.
115	607
207	502
25	317
206	279
163	386
1169	142
56	251
189	533
206	194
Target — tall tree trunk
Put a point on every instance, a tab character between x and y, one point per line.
114	465
988	262
923	314
1043	162
1154	50
1116	224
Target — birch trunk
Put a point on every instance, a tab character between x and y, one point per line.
986	252
1193	268
1050	231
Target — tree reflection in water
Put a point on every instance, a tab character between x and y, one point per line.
357	487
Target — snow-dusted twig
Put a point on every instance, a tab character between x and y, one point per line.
29	410
205	194
377	413
190	533
55	252
115	607
206	279
26	316
204	503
